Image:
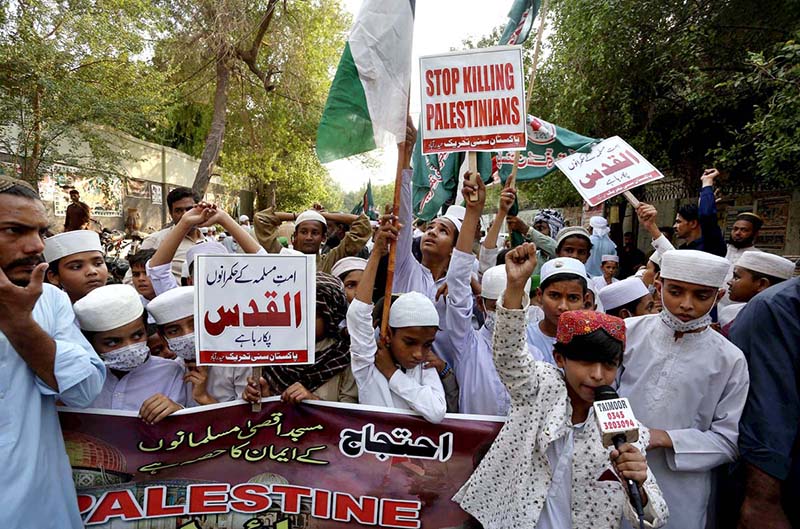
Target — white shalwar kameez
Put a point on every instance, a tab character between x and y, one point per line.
694	387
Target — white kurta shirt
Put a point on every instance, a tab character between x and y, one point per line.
695	388
417	389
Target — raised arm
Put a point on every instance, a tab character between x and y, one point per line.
488	255
713	240
266	223
245	241
511	357
196	216
404	260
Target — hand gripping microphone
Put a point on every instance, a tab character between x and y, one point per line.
618	426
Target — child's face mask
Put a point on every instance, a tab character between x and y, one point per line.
183	346
127	358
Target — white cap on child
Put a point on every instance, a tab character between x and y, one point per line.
71	242
562	265
108	307
455	214
609	257
572	231
413	310
494	282
767	263
311	214
172	305
622	292
696	267
348	264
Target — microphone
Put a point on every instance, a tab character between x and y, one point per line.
618	426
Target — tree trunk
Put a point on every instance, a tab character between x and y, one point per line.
30	165
217	132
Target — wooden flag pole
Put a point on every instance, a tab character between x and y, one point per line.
398	186
472	166
512	179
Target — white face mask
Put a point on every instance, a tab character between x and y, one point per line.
126	358
678	325
489	320
183	346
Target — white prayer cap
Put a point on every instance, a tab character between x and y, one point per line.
767	264
562	265
204	248
622	292
348	264
455	214
696	267
572	231
609	258
656	258
311	214
204	231
71	242
494	282
172	305
223	235
108	307
244	218
598	222
413	310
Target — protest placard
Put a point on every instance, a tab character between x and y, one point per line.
473	101
255	310
287	466
609	169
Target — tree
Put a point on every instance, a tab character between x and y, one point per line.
66	70
270	64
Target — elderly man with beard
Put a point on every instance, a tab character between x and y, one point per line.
44	358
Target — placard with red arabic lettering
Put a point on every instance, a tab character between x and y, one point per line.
255	310
609	169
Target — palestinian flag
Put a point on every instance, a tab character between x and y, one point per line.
367	204
436	176
368	99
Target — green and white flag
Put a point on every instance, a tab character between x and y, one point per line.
546	144
436	176
368	100
367	204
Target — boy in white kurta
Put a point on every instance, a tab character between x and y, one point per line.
687	383
394	373
547	468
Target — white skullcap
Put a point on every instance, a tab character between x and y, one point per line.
413	310
622	292
609	258
767	264
71	242
223	235
204	248
108	307
455	214
562	265
172	305
656	258
572	231
494	282
598	222
696	267
244	218
204	231
348	264
311	214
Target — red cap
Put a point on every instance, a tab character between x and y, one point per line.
580	322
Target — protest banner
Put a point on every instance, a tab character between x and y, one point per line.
255	310
610	168
313	465
473	101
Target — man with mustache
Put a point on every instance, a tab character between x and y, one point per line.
43	359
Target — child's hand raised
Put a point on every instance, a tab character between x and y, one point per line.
387	233
520	263
478	188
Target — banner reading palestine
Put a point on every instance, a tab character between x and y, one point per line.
314	465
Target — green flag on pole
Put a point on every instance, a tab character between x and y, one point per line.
367	204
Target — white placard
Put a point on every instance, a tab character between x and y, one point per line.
473	101
255	310
609	169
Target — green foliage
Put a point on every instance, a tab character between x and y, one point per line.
768	146
66	70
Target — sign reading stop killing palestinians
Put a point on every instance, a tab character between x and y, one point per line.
255	310
609	169
473	101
